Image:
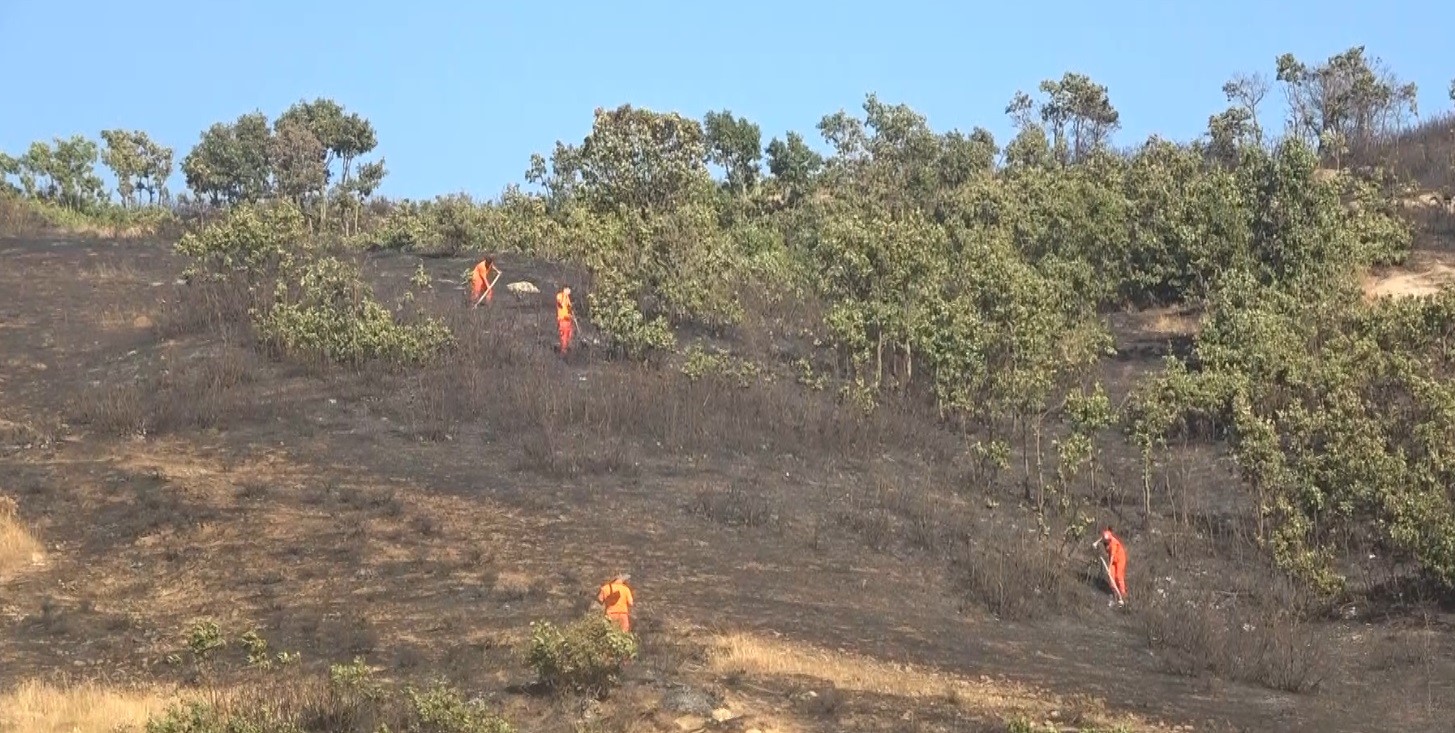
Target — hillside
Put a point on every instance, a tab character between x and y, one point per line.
851	425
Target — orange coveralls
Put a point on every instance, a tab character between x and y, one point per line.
480	283
1118	562
565	318
616	598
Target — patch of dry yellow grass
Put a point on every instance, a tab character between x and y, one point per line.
108	272
513	584
18	547
754	656
1402	283
116	319
85	707
1174	323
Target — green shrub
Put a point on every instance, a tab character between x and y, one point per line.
405	228
250	239
699	362
197	717
628	331
441	709
351	701
586	657
323	311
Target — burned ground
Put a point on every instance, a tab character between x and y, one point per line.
421	519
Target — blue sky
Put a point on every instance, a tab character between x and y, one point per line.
463	92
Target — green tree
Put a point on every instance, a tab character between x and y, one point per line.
640	160
735	144
1239	126
1077	113
1350	94
297	158
64	174
124	156
139	163
230	163
794	165
155	170
9	166
344	135
363	185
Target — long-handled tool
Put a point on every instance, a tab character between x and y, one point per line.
1111	580
489	287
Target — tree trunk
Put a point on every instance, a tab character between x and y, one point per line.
1040	473
908	364
879	362
1147	480
1025	456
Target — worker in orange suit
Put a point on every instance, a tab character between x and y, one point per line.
616	598
1116	563
565	317
481	282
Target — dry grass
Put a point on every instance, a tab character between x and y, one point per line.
112	273
1170	322
1425	275
754	656
18	547
85	707
511	585
120	319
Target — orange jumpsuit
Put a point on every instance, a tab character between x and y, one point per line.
565	318
616	598
1118	562
480	283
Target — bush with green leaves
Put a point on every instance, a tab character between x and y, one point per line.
351	701
699	362
586	657
403	228
323	311
250	240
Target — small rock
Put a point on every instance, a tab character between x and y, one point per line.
722	715
685	699
690	722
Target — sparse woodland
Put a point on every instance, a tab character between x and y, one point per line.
962	284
